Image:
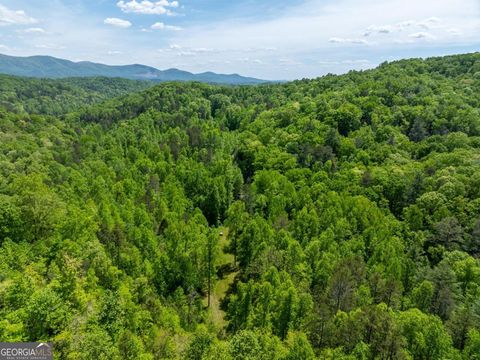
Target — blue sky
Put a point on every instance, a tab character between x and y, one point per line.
270	39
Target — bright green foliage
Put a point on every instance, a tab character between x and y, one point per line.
424	335
472	349
334	218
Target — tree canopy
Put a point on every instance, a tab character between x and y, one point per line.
344	212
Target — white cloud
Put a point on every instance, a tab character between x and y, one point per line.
427	24
337	40
324	62
117	22
4	47
385	29
148	7
188	51
430	23
14	17
251	61
203	50
454	31
356	62
114	52
403	41
162	26
422	35
405	24
34	30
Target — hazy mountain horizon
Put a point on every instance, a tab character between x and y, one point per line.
45	66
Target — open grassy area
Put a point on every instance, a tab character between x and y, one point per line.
221	286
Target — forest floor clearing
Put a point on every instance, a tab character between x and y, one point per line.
225	280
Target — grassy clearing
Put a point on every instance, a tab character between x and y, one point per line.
222	285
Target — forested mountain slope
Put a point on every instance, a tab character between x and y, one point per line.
352	205
50	67
58	97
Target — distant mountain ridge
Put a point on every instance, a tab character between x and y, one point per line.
51	67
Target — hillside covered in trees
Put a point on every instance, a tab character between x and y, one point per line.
55	68
344	212
58	97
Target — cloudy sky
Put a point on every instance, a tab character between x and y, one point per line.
270	39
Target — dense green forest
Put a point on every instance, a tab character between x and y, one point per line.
334	218
58	97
